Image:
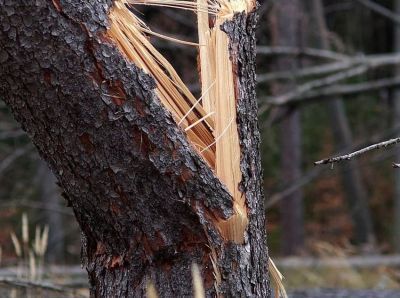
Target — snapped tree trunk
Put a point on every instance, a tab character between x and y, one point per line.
147	203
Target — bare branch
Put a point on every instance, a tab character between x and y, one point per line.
293	51
381	10
370	61
316	172
5	163
300	90
11	134
304	180
338	90
359	152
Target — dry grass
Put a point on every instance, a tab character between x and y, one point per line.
30	253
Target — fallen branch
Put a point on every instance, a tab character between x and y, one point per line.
359	152
337	262
30	284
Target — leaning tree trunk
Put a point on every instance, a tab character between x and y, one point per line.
148	205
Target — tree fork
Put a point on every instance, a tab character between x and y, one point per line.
146	201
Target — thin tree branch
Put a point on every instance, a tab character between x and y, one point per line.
11	134
304	180
5	163
370	61
316	171
338	90
359	152
293	51
381	10
300	90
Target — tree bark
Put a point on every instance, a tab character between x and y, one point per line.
146	202
285	21
351	177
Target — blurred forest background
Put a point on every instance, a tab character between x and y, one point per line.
328	84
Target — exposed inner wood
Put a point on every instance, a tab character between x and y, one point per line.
211	126
127	31
216	66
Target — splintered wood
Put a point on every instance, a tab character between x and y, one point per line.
216	66
210	122
129	34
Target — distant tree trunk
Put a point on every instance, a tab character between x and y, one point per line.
148	205
351	176
285	29
51	199
396	124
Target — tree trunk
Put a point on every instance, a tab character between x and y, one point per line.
148	205
351	176
285	20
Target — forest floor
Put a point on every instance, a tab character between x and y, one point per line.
364	277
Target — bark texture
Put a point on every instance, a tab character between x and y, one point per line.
144	199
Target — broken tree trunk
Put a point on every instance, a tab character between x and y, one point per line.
148	204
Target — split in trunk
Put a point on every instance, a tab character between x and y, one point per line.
143	163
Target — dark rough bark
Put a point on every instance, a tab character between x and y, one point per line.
285	32
144	199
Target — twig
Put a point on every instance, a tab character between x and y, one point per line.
381	10
359	152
